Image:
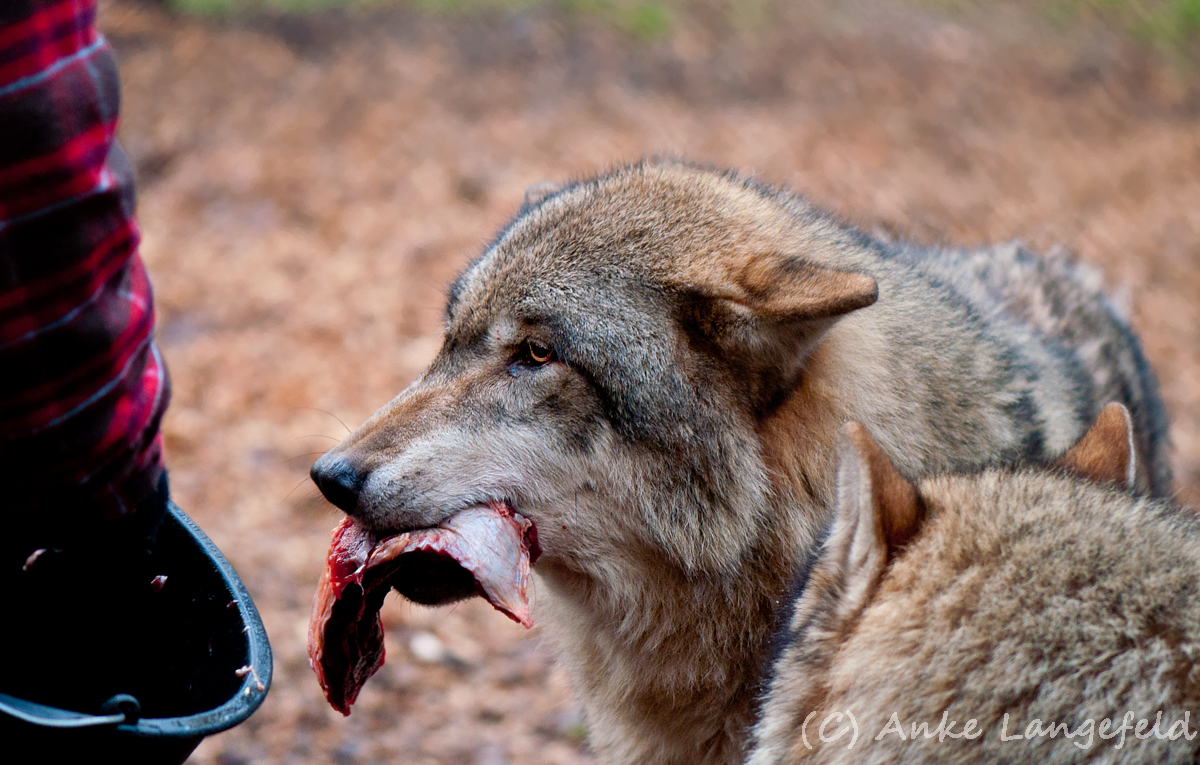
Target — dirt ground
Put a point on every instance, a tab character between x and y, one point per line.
310	186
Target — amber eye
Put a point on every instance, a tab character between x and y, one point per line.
536	353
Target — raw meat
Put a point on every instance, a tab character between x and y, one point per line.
487	550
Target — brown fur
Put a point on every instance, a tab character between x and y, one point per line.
710	335
1041	594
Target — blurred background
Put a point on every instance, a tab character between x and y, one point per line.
313	173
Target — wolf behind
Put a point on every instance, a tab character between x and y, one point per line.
652	366
1007	607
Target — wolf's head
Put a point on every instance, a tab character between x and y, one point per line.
605	366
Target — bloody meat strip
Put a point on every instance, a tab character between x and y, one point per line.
490	543
345	643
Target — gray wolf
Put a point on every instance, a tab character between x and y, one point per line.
652	366
1012	612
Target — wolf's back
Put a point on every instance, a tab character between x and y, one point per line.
1063	305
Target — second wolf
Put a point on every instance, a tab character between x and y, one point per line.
1031	615
652	366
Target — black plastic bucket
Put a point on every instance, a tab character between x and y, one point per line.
209	668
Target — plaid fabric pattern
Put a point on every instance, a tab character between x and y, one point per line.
82	384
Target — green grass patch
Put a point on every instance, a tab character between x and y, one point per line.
647	16
1172	26
222	8
641	18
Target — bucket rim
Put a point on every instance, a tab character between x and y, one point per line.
257	680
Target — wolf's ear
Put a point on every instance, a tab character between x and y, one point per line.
538	193
790	289
1106	453
768	313
878	511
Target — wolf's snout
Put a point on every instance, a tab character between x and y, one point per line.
338	481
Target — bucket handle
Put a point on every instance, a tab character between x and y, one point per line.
120	709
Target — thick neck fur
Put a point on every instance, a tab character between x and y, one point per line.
668	664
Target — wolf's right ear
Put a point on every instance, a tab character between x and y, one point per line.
878	511
538	193
1106	453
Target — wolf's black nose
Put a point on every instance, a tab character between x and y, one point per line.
338	481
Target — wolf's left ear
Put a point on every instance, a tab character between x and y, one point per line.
769	312
789	289
878	511
1106	453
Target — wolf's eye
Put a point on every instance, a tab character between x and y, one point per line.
534	354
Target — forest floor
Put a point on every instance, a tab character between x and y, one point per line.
310	185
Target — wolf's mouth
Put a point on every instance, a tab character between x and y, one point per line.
484	550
